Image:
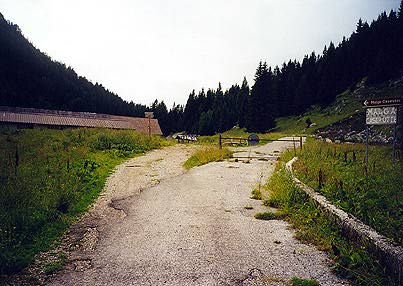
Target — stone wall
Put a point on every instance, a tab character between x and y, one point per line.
390	254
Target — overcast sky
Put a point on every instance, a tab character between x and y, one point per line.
159	49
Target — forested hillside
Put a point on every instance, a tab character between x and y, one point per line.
30	78
373	53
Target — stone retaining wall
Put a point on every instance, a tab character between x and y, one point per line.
390	254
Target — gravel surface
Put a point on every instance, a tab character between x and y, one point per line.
156	225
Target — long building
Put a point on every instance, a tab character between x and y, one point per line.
59	118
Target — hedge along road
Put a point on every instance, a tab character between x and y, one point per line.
187	228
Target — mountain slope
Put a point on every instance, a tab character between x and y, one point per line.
30	78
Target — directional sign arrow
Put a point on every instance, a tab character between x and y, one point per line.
382	102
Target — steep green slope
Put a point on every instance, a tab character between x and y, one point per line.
344	119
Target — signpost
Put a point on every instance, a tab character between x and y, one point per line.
381	115
381	112
253	140
149	115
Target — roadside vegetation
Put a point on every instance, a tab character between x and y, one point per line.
344	180
372	193
207	154
48	177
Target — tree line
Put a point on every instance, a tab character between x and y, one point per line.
373	52
30	78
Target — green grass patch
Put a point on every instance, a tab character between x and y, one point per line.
48	177
206	155
351	260
343	107
295	281
268	216
248	207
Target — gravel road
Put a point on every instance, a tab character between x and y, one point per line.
158	225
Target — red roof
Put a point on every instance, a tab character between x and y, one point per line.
76	119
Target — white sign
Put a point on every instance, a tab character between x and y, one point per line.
381	115
149	114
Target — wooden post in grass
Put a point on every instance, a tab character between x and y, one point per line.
219	141
17	160
366	144
320	178
300	143
394	143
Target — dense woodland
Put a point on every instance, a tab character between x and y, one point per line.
29	78
373	52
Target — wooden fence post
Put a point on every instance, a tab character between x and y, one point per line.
300	143
220	141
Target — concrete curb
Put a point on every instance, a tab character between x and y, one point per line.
389	254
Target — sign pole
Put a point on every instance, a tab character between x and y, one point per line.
366	144
149	115
394	143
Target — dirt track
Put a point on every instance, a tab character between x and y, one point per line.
155	225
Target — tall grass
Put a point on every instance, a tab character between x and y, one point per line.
351	260
372	192
48	177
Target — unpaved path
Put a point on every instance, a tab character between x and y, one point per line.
155	225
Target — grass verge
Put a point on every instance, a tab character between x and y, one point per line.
206	155
48	177
373	193
351	260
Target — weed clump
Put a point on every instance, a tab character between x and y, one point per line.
268	216
256	194
295	281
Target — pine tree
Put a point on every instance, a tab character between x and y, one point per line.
260	111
